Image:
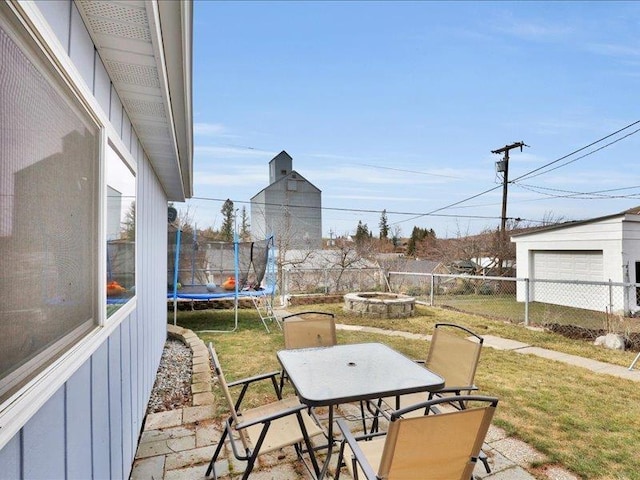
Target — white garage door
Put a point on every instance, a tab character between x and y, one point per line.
570	266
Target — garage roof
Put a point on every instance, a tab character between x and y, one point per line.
635	211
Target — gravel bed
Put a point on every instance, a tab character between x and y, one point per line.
172	388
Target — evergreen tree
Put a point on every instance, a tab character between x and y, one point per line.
384	226
228	218
245	232
418	235
362	232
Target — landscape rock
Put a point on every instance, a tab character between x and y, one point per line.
612	341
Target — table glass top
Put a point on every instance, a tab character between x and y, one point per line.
352	372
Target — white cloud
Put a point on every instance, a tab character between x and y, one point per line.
613	50
231	179
224	152
530	30
208	129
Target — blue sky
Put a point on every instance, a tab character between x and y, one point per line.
398	105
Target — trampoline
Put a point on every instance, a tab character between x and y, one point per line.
199	270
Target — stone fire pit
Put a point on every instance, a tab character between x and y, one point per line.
380	305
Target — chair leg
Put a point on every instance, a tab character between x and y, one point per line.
340	459
307	442
211	467
485	461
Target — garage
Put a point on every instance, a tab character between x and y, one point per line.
590	264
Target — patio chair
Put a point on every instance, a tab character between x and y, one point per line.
306	330
453	354
428	447
263	429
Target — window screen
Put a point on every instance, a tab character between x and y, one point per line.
48	215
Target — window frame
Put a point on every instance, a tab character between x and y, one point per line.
119	149
26	26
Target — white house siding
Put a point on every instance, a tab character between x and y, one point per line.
89	427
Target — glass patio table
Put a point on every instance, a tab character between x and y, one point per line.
329	376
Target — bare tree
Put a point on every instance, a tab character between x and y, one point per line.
347	255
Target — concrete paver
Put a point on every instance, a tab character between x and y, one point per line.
177	445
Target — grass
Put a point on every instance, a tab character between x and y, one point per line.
586	422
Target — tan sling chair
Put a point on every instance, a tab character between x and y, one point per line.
265	428
427	447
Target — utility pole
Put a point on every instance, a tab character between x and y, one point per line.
502	166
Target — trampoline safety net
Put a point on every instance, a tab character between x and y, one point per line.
206	267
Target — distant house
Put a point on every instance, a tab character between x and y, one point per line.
289	207
599	250
95	139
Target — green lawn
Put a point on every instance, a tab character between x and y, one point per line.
586	422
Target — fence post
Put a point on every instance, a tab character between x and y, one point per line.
610	296
285	282
431	291
526	302
325	274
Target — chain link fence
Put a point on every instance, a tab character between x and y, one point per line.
331	280
578	308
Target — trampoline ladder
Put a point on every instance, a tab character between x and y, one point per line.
263	306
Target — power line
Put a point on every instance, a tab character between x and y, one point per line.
353	210
532	171
434	213
407	171
600	194
530	174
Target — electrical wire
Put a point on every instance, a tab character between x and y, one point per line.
530	174
354	210
434	213
579	195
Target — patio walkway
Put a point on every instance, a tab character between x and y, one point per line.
178	444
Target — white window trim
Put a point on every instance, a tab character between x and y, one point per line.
16	411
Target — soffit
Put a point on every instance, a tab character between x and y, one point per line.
129	38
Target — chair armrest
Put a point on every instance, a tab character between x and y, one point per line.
269	418
456	390
255	378
245	382
349	439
